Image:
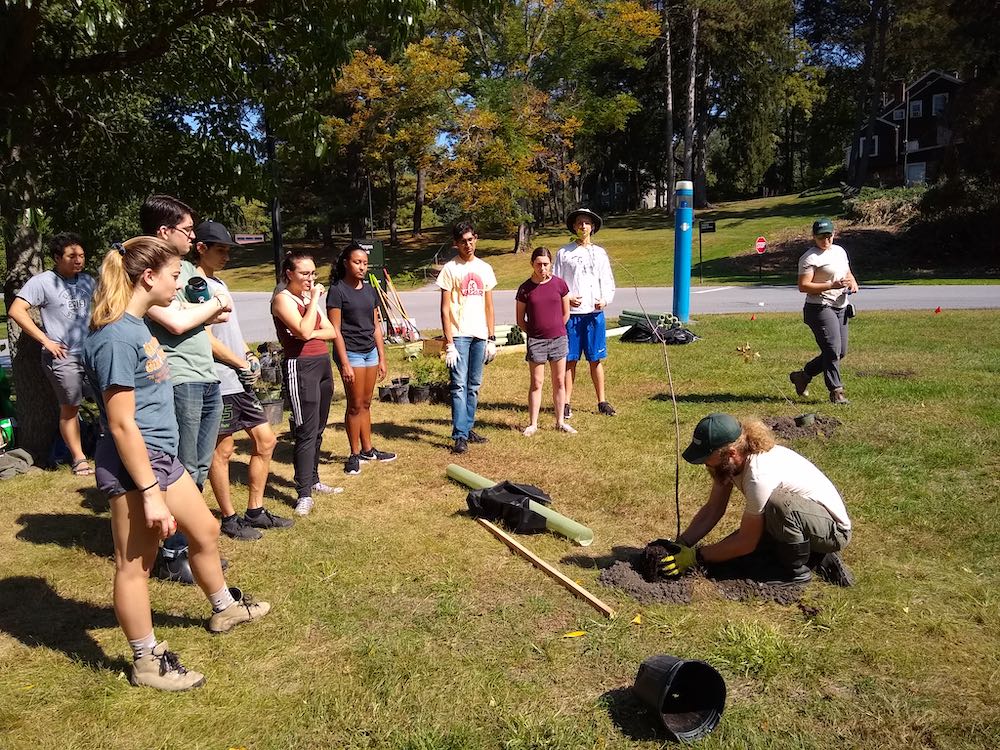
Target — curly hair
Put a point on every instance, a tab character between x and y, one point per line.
755	438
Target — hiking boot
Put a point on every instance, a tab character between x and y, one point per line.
801	382
837	397
161	669
238	528
244	609
267	520
376	455
606	409
475	437
832	569
567	412
566	428
461	445
303	506
352	465
325	489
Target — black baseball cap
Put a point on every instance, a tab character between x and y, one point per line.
213	233
713	432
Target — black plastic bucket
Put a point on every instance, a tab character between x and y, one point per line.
688	696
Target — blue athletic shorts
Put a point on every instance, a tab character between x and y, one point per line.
586	334
363	359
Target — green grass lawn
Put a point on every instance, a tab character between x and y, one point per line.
399	623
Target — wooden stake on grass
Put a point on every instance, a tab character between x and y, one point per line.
570	585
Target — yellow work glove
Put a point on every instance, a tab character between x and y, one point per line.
676	563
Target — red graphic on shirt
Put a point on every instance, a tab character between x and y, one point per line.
473	286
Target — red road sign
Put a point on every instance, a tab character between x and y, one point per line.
761	245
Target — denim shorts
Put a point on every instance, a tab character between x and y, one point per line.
363	359
113	478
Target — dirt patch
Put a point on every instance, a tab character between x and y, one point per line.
623	576
745	590
891	374
785	427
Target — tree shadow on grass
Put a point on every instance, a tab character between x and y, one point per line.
713	398
36	615
633	717
392	431
618	554
69	530
239	473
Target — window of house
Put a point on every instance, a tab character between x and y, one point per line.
938	104
917	108
898	114
874	149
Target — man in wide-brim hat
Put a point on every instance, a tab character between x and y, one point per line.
586	269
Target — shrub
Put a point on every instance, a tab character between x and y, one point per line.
890	207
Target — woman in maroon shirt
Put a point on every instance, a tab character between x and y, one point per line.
542	311
303	330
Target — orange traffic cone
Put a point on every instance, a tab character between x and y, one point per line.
753	317
937	309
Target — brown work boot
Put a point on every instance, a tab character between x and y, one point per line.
837	397
161	669
801	382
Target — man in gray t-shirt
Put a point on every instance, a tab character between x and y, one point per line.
63	298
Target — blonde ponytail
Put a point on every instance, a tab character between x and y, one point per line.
120	272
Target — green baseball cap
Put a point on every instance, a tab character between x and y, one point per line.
822	226
713	432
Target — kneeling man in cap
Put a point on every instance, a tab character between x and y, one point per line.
793	514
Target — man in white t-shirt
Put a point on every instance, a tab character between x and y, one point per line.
466	284
792	511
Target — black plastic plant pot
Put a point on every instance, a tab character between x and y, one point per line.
804	420
419	394
400	393
688	696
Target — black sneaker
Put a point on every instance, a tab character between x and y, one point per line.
606	409
237	528
475	437
352	465
461	445
376	455
833	569
267	520
567	412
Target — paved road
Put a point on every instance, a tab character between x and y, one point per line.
423	305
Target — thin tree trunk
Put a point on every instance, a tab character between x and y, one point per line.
691	103
880	11
393	203
855	173
668	95
522	243
418	201
701	141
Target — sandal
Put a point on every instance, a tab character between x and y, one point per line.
84	471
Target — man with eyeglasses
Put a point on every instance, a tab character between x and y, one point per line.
181	330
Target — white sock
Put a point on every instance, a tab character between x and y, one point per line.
142	646
221	599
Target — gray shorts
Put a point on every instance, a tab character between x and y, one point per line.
113	478
67	378
240	411
546	350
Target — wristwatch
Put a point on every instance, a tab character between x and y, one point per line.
491	338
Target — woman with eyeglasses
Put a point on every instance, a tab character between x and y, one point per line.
149	491
303	329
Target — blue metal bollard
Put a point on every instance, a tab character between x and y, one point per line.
683	225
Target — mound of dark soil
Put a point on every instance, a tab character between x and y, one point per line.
785	427
623	576
746	589
891	374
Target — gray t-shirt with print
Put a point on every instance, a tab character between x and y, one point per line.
228	333
64	305
127	354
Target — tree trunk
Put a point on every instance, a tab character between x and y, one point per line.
701	142
36	407
418	202
668	95
691	103
393	203
880	14
522	243
868	64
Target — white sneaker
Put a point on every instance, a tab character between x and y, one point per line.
325	489
303	506
566	428
530	430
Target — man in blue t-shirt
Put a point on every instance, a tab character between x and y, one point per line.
63	298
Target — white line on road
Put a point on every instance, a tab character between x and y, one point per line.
716	289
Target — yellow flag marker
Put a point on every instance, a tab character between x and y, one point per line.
574	633
637	620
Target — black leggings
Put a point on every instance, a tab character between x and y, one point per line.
310	389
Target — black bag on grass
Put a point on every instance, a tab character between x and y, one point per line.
507	503
641	333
